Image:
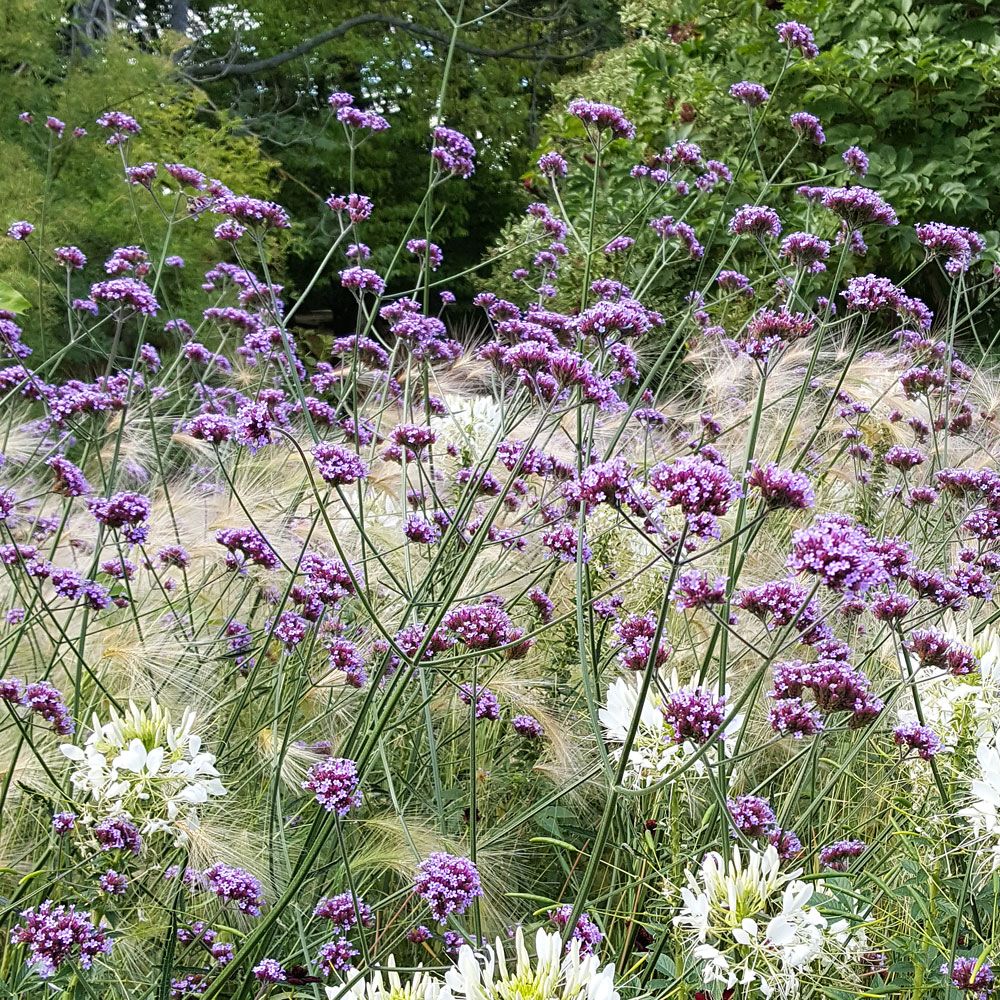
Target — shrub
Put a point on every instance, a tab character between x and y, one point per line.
913	84
73	191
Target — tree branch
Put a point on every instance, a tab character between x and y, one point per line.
219	69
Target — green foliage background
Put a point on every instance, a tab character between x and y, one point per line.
914	82
72	189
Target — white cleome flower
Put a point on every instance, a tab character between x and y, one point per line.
655	752
986	646
983	811
387	985
141	765
961	708
962	712
751	924
949	705
555	973
473	422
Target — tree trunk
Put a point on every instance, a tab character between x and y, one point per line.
179	16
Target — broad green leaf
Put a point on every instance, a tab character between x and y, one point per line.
11	299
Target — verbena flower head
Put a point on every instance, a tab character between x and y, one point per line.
934	648
752	815
72	258
960	246
448	884
638	633
453	152
781	489
124	125
769	331
357	118
327	582
755	220
40	698
602	118
20	230
859	206
805	251
667	229
808	126
751	94
528	727
246	545
585	931
127	512
362	279
487	705
143	174
57	935
334	781
63	823
235	885
344	911
552	975
118	833
425	251
269	970
903	458
693	715
339	466
839	552
480	626
112	883
694	589
921	739
336	956
185	175
69	480
891	607
735	281
798	36
856	160
835	685
126	294
838	856
553	165
695	485
871	293
971	975
793	717
358	207
257	212
142	765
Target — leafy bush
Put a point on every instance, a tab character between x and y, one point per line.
74	190
915	84
314	676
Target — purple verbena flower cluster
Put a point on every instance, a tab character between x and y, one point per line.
448	884
40	698
335	783
57	935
